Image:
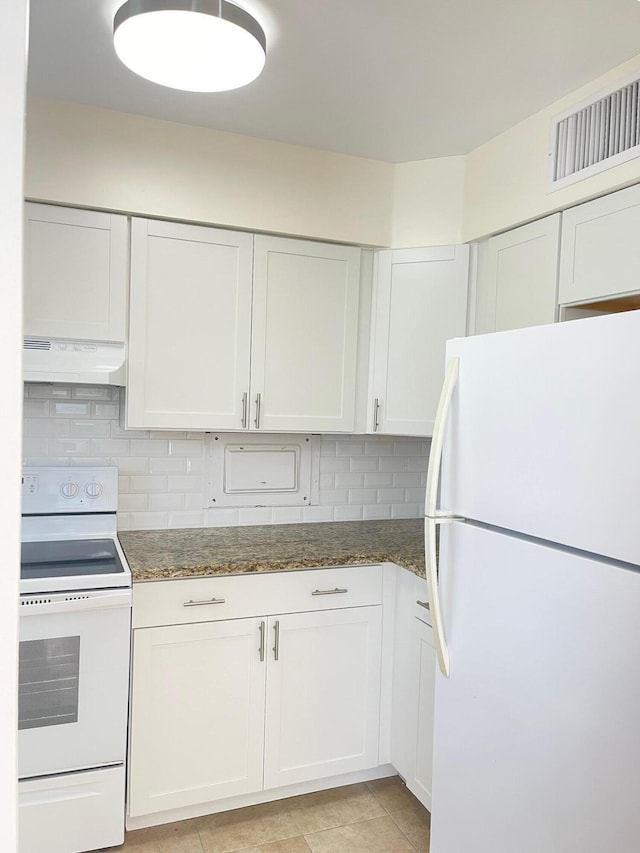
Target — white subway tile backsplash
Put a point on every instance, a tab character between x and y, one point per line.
165	465
92	428
148	483
348	513
333	464
167	502
162	481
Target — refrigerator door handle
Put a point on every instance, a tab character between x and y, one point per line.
431	559
435	454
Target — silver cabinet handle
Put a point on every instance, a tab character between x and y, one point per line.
424	604
376	414
336	591
262	637
245	398
193	603
276	648
258	405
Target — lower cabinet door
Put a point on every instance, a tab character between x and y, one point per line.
197	715
323	694
419	779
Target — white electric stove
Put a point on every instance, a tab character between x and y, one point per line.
75	629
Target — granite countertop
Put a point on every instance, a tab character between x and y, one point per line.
164	554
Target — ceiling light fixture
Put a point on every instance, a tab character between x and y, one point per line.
193	45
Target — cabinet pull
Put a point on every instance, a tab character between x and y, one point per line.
276	648
335	591
424	604
245	397
192	603
376	414
258	405
261	649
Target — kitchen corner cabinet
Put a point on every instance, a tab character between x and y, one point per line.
76	273
232	332
600	254
420	302
518	275
252	683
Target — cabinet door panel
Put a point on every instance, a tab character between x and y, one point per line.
197	716
323	695
522	266
190	326
75	273
600	253
419	781
305	328
421	302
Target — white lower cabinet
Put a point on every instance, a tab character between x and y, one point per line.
413	688
197	715
323	695
232	707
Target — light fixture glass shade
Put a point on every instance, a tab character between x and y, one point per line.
193	45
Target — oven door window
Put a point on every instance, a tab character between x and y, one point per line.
48	682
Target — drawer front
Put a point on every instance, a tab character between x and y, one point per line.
178	602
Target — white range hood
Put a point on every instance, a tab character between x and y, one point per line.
65	360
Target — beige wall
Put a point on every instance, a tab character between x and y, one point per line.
427	202
92	157
506	178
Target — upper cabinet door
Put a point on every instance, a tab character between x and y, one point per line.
75	273
420	302
190	326
305	332
519	274
600	248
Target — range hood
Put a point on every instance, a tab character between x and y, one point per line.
78	362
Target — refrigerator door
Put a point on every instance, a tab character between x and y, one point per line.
543	433
536	735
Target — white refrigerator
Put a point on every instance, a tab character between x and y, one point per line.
534	489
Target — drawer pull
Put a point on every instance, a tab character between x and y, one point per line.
193	603
336	591
424	604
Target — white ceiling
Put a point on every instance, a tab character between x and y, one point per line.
396	80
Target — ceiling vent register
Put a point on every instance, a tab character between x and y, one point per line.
599	135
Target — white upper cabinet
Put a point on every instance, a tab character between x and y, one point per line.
420	302
190	326
76	265
600	254
518	277
305	335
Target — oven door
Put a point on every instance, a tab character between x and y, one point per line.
73	680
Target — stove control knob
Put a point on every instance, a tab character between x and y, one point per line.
93	490
69	490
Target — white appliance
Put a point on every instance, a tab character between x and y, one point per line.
77	362
536	601
75	628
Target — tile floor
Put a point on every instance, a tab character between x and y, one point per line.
373	817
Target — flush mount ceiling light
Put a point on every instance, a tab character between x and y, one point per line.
194	45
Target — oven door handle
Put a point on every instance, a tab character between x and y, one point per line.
73	602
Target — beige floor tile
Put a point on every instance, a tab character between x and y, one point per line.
290	845
395	797
379	835
250	827
170	838
335	807
416	826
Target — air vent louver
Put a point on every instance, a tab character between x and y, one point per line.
597	136
36	343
